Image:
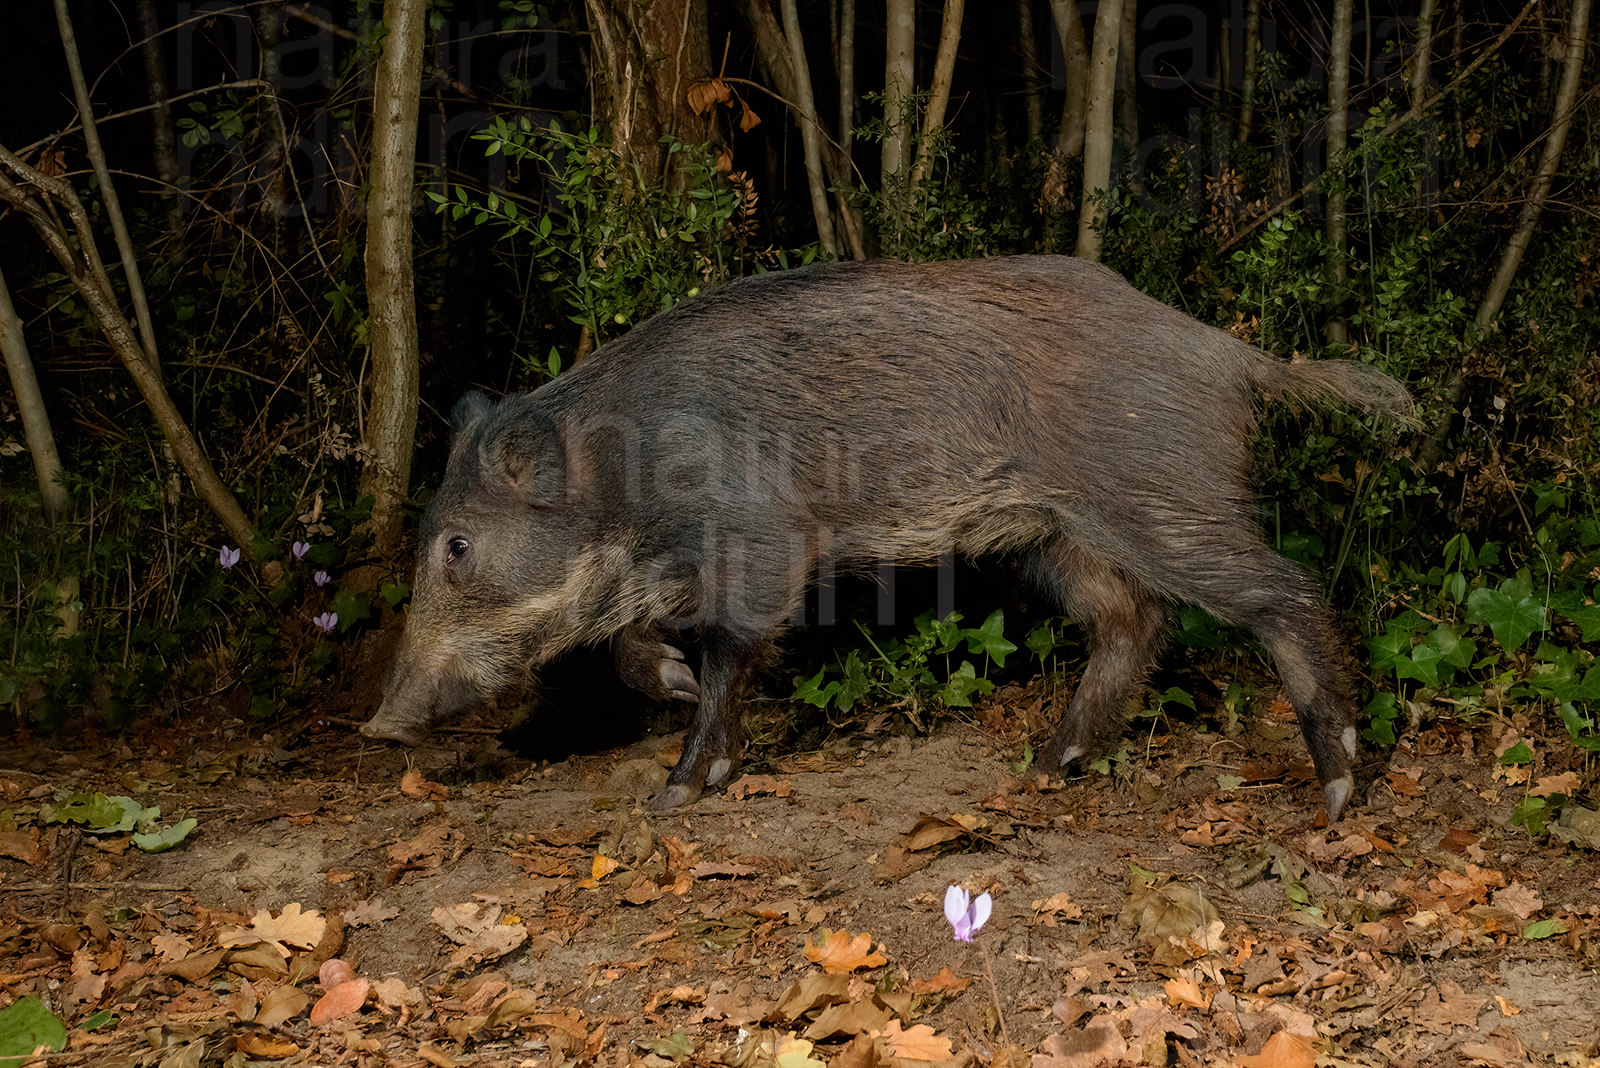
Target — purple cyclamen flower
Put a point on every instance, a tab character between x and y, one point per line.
320	578
327	621
228	557
965	915
300	548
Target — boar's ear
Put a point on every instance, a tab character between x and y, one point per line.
524	459
468	410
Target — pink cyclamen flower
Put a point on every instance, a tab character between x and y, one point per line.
228	557
300	548
967	916
320	578
327	621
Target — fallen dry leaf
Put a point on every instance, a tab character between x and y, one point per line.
265	1045
943	983
1098	1043
917	1044
751	785
281	1004
339	1002
1282	1050
841	951
1447	1006
1055	907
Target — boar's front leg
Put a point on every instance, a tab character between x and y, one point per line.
653	667
711	749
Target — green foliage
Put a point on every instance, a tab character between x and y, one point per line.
100	814
901	673
619	248
25	1025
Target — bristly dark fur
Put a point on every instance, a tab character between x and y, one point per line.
707	465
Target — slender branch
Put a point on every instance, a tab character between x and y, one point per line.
108	192
1416	112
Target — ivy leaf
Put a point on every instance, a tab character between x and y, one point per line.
25	1025
990	639
1511	613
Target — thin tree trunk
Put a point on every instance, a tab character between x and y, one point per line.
1528	219
1069	135
1098	129
81	261
1028	50
939	92
1539	188
1128	74
899	104
30	405
807	120
162	141
108	193
269	30
1252	68
772	47
1338	110
1419	79
1224	97
847	76
391	422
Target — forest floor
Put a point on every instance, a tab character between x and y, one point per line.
493	911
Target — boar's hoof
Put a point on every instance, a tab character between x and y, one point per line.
404	734
677	677
674	795
1335	794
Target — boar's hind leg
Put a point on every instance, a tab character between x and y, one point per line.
1259	589
1124	623
651	666
711	749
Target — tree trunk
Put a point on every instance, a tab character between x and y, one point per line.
1419	81
1069	136
1032	90
108	192
810	138
1097	135
391	420
772	47
1539	189
1338	110
1252	67
30	405
847	76
645	55
81	261
163	143
939	92
1128	75
899	104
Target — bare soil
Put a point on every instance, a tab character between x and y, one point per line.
1184	910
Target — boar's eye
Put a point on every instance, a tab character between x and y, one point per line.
456	549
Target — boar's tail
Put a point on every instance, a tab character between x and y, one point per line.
1364	388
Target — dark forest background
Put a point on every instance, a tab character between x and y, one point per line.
219	359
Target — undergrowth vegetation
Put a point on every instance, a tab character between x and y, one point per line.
1469	571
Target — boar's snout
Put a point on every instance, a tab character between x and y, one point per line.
414	696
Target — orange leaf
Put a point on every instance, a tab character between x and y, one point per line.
944	982
1184	991
844	952
917	1044
705	95
342	1000
1282	1050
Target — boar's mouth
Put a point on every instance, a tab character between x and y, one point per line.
414	698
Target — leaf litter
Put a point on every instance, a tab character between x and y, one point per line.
1186	911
